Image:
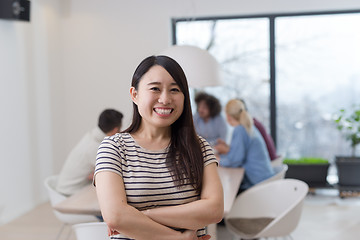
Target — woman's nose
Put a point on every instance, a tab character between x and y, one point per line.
164	98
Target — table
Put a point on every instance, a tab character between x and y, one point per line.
85	201
231	179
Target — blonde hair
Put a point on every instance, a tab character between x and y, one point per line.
236	109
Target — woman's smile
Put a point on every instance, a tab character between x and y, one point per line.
163	112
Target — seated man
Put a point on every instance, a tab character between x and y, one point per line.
79	167
267	138
208	121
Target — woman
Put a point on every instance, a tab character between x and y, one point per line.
247	149
208	121
158	179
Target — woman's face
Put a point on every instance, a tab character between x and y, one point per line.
158	97
203	110
231	120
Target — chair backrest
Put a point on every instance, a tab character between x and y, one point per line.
50	185
56	197
277	161
280	172
280	201
91	231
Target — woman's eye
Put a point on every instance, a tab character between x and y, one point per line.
175	90
155	89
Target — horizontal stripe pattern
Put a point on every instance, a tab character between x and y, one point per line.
148	182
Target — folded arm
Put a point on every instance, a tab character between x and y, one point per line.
195	215
123	218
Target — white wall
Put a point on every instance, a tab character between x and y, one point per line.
75	58
25	134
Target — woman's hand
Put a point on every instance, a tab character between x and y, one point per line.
190	235
112	232
90	176
221	147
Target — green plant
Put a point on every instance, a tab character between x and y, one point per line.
348	122
306	160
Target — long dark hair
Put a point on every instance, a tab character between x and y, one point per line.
184	159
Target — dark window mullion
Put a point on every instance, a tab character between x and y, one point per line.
272	79
173	33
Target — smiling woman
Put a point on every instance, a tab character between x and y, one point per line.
158	179
158	96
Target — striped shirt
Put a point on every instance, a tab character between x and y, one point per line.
147	180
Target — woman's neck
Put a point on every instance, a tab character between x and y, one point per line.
153	139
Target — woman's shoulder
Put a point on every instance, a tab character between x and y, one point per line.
241	133
240	129
207	151
205	146
119	138
202	140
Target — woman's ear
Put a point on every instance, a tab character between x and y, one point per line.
133	94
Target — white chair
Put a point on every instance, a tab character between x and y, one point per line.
91	231
56	197
280	172
266	210
277	161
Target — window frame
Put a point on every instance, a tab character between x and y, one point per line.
272	61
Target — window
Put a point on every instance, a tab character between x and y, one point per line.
315	72
242	48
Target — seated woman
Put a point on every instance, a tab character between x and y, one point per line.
267	138
247	148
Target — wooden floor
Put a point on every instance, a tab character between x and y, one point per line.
38	224
325	217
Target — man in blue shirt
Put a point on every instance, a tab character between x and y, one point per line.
208	121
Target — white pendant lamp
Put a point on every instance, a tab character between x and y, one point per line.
200	67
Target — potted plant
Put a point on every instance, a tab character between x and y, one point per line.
348	167
311	170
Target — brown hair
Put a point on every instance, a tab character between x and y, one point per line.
211	102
